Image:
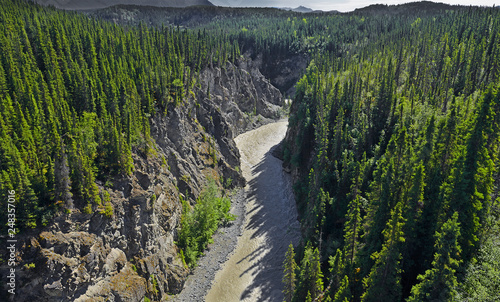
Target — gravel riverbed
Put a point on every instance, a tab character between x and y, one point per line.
244	263
225	239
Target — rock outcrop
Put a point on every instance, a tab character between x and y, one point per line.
130	253
283	73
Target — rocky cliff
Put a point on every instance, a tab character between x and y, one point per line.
283	72
131	253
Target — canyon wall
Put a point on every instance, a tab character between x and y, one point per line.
131	253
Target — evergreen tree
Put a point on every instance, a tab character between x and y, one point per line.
439	282
62	179
471	181
337	271
310	282
378	213
412	214
384	280
351	231
289	277
344	293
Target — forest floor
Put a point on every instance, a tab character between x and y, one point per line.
244	263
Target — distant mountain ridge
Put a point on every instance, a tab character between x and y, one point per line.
422	6
96	4
300	9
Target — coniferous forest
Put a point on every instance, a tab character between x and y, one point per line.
393	138
396	145
77	96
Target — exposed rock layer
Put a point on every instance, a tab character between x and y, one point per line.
131	254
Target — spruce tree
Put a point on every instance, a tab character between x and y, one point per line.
337	271
62	179
310	282
378	213
412	214
384	281
344	292
471	182
289	277
351	231
439	282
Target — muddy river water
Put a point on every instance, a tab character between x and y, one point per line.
254	271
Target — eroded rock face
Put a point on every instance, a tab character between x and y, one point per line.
132	253
244	97
284	72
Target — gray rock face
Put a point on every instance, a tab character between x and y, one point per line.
132	253
243	95
283	73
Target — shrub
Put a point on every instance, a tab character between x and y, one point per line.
108	209
87	209
200	223
152	199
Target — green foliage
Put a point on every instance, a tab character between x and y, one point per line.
289	274
76	98
337	271
398	120
439	283
87	209
228	182
351	233
152	200
310	279
200	223
344	292
483	277
384	280
108	209
154	285
471	181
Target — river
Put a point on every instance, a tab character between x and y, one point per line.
254	271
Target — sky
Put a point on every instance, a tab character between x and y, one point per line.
340	5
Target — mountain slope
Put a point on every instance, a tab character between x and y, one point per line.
300	9
124	128
95	4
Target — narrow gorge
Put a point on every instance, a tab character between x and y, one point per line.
244	261
132	254
148	153
254	271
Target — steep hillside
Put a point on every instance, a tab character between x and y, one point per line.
394	150
92	256
104	156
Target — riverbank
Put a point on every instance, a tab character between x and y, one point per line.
254	271
225	239
244	263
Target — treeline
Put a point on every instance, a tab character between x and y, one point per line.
394	132
397	142
76	97
277	35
